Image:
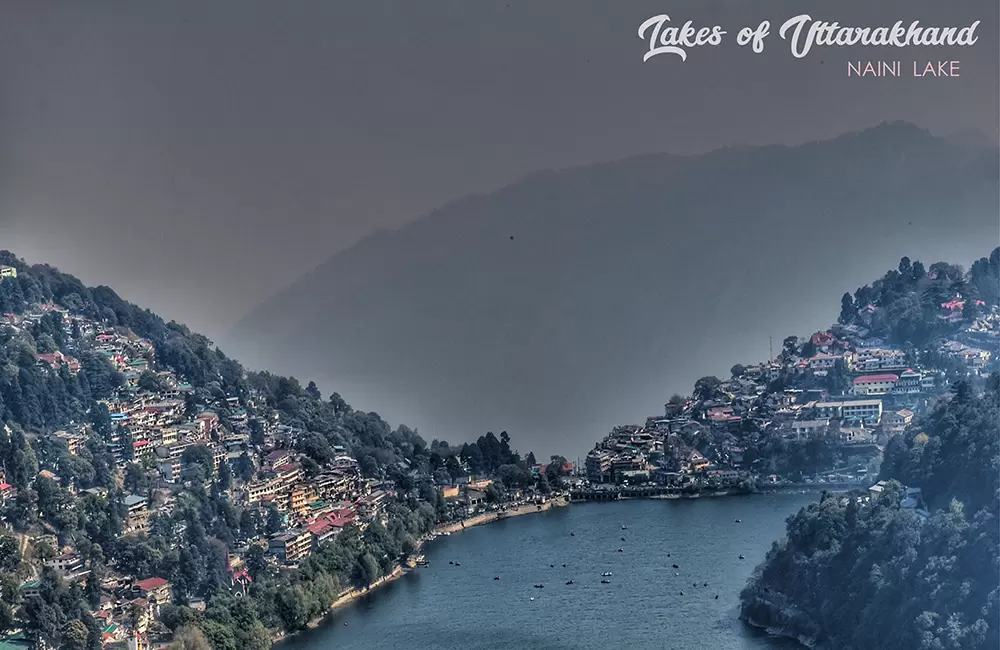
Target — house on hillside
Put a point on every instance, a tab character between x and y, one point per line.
875	384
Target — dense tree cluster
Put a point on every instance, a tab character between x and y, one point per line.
853	573
907	300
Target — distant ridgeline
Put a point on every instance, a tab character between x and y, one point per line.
863	570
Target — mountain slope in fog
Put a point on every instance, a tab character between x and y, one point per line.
574	300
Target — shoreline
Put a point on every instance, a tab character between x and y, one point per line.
351	595
784	633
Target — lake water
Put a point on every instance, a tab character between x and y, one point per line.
451	607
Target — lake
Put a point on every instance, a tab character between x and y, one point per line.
462	607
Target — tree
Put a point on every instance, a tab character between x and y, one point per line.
737	370
366	571
275	520
493	495
706	388
190	637
225	476
543	484
199	455
905	268
847	311
75	635
790	346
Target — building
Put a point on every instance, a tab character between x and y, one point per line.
598	464
154	590
138	514
291	546
141	450
898	419
824	361
7	271
74	441
875	384
909	383
67	564
696	462
809	427
868	410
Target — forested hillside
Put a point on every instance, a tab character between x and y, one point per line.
73	360
863	571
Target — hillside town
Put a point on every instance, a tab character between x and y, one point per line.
821	411
170	445
189	483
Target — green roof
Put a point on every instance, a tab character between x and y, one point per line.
32	584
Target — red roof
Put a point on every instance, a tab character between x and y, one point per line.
822	338
149	584
874	379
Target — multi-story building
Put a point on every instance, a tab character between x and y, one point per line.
874	384
155	590
909	383
138	514
74	441
598	465
868	410
291	546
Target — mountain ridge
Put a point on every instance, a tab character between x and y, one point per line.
495	291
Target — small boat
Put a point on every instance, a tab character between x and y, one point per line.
621	550
624	527
676	574
458	564
739	521
705	585
742	557
676	567
532	598
345	623
539	586
569	582
606	574
552	566
564	565
496	577
668	554
572	534
717	596
623	539
682	593
451	561
605	582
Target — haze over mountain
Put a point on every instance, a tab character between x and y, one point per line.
575	300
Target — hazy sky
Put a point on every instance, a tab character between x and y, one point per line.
202	155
